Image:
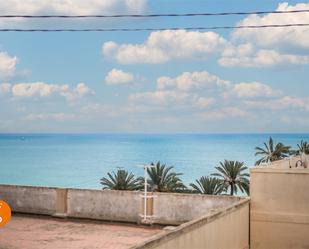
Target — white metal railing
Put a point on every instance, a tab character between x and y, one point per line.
145	217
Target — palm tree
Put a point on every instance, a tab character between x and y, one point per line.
208	185
303	147
272	152
122	180
163	179
232	175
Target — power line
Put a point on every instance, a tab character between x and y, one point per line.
156	15
158	29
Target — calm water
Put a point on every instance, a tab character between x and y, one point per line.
81	160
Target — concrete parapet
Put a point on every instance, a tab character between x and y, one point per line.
175	209
104	204
225	228
27	199
167	208
279	207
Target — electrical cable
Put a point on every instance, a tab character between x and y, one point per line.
157	15
157	29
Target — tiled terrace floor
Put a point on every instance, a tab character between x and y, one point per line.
32	232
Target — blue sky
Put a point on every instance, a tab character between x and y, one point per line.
156	82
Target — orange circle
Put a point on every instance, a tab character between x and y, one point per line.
5	213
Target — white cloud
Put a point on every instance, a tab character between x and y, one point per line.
82	89
282	103
7	65
78	92
192	81
269	47
118	77
49	116
183	89
163	46
252	90
290	101
272	47
245	55
5	88
172	99
282	37
204	103
65	7
109	48
209	98
242	50
159	97
68	7
36	89
41	90
136	5
92	108
223	113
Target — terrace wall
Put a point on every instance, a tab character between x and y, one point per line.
104	204
279	207
169	208
175	209
33	200
227	228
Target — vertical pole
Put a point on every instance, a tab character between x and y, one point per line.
145	193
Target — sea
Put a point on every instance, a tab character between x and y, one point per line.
81	160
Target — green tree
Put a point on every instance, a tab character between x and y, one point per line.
272	152
208	185
303	147
121	180
233	175
163	179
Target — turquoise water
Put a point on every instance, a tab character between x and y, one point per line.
64	160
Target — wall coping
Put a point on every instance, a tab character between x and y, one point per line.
29	186
193	195
258	169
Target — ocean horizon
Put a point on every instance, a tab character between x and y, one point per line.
79	160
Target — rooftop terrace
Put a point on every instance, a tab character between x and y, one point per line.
31	231
179	220
278	211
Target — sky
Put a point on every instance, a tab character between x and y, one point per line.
222	81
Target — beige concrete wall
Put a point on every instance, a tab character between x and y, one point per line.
279	207
149	204
227	228
285	163
175	209
104	204
36	200
169	208
61	202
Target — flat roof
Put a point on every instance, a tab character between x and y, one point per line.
32	231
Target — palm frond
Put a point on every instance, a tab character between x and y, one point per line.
208	185
121	180
164	179
233	174
272	151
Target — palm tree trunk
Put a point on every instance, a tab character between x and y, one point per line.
232	189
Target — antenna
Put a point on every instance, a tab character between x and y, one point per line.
146	218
